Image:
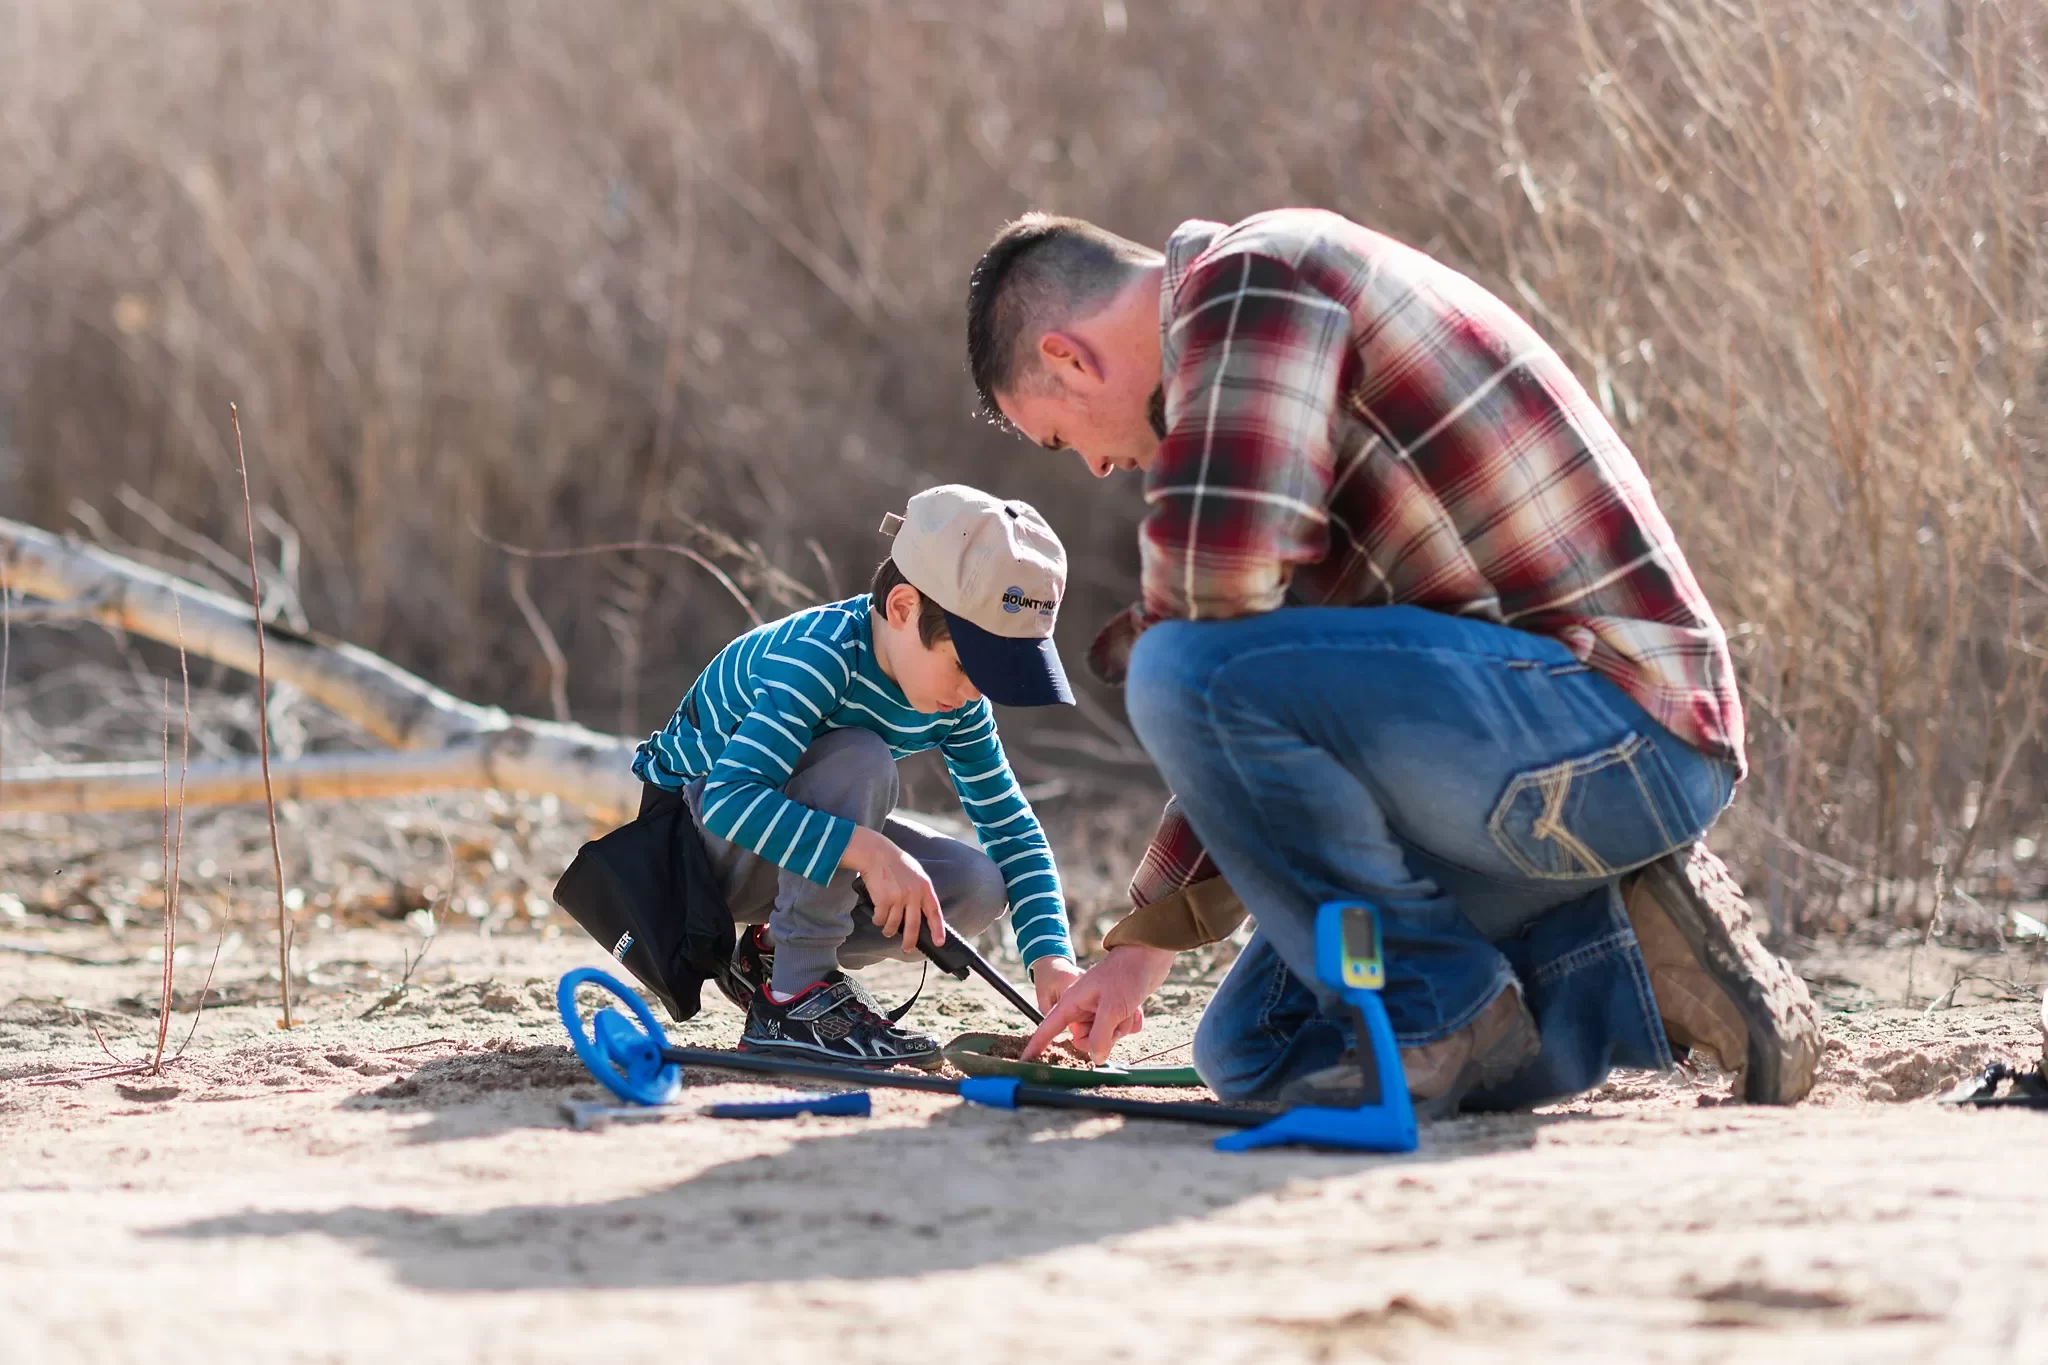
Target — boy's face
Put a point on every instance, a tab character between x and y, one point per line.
931	678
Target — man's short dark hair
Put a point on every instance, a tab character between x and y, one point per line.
1041	272
931	617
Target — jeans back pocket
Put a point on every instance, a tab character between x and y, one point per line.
1594	816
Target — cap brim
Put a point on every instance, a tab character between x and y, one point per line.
1010	672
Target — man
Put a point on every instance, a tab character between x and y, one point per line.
1413	631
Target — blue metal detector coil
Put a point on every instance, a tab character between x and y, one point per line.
626	1060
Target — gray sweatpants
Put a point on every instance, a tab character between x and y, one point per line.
849	773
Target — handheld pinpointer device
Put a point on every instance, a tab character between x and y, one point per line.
956	958
1348	960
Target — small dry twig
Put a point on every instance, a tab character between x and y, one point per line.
558	666
205	990
425	1042
284	928
620	547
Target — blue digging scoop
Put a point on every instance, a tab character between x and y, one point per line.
1349	962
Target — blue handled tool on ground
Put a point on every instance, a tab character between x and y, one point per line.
849	1104
637	1064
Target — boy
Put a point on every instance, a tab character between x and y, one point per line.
785	750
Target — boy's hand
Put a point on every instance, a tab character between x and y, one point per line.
1106	1003
1051	976
897	884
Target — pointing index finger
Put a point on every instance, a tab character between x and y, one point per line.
1062	1014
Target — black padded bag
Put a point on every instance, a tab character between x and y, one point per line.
647	894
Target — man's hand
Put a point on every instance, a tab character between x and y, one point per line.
1051	976
1109	657
1107	1003
898	886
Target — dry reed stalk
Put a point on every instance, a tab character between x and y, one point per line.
174	855
284	930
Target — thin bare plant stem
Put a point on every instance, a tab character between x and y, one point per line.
174	863
284	925
163	1008
206	986
101	1039
205	989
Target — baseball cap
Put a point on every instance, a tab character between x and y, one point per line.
998	571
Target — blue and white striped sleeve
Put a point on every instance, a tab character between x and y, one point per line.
1010	834
796	683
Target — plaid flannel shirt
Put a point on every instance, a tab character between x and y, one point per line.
1350	422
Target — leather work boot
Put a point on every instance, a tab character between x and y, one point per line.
1719	990
1487	1051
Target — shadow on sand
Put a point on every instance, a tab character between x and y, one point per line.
968	1187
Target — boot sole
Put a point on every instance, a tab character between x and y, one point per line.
1699	896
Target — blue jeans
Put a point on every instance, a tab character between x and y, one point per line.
1479	785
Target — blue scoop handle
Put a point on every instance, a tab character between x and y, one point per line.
851	1104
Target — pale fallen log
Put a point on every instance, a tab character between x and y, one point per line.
449	743
598	779
403	710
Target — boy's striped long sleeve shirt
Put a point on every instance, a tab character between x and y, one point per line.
748	718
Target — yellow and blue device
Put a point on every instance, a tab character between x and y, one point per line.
1350	963
1359	964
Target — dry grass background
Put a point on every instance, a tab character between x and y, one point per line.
691	271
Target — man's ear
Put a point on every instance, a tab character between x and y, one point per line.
1069	359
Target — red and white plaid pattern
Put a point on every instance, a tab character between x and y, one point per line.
1351	423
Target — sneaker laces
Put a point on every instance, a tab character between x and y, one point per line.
866	1004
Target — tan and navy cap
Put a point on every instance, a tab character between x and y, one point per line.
999	572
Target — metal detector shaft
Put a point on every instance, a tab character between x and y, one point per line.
1025	1096
956	958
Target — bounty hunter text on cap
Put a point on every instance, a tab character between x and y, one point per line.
999	572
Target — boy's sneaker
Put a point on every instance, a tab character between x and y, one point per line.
834	1021
746	976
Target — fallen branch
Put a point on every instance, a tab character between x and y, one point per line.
399	708
594	774
446	743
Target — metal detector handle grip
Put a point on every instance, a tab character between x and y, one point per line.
954	957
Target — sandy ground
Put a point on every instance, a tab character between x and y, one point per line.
403	1187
